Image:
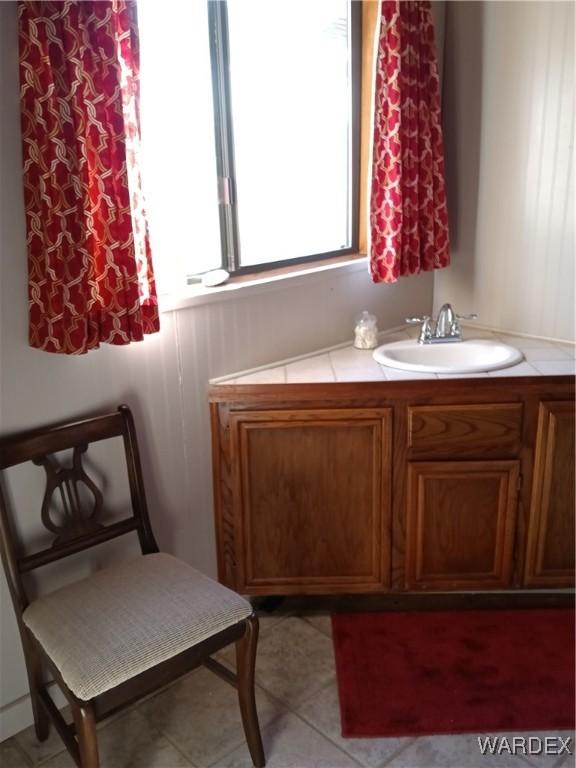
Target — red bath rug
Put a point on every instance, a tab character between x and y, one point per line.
405	674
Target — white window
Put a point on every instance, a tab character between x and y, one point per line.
250	123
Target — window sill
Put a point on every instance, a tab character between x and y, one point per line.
249	285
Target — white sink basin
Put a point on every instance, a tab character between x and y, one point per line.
473	356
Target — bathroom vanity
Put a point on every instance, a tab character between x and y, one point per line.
334	475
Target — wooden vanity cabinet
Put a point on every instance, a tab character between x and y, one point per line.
413	486
550	539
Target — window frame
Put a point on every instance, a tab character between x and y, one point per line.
224	142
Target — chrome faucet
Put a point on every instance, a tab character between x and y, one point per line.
446	329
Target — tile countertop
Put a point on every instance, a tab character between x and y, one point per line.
345	363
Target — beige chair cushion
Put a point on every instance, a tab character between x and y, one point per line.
106	629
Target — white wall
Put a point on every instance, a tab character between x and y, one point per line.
509	136
164	379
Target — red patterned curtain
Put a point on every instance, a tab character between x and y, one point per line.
408	216
89	264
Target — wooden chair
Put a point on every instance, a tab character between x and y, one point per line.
118	635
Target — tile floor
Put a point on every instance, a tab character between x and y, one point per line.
195	721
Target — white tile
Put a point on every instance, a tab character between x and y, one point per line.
454	751
269	620
566	762
360	374
323	712
524	342
352	364
350	357
395	374
315	361
323	623
11	756
556	367
311	370
39	751
289	742
544	353
267	376
200	715
312	376
568	347
294	661
130	741
522	369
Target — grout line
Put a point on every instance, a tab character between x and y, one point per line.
326	634
63	749
217	763
343	748
283	710
236	745
332	368
154	694
316	693
183	754
160	731
293	707
293	710
327	738
398	751
309	696
563	762
25	756
265	631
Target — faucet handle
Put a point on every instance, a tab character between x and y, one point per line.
425	323
417	320
456	331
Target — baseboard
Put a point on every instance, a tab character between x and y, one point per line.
17	715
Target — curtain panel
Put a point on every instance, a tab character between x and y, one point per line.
408	215
89	263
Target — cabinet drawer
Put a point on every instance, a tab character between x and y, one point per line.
457	431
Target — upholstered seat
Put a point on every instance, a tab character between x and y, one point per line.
106	629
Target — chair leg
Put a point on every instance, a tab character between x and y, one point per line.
34	670
85	723
245	663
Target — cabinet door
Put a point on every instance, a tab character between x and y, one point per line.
312	500
460	524
550	540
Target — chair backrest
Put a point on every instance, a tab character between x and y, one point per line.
80	527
